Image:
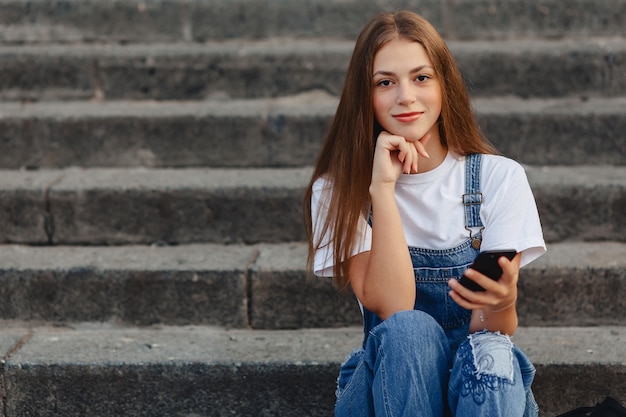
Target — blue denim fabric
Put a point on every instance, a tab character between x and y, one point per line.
491	377
402	371
407	369
433	269
424	363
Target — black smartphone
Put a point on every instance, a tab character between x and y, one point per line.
487	264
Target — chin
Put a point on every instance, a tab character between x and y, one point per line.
414	138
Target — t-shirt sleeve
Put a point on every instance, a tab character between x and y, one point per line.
323	260
510	213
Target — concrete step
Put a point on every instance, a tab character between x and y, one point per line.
101	369
118	206
278	67
267	286
121	206
284	131
201	20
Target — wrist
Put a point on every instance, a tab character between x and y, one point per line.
382	189
501	309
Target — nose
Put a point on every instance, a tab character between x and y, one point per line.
406	94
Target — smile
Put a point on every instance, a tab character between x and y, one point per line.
407	117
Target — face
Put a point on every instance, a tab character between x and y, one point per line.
406	91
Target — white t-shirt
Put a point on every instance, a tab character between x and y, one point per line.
433	214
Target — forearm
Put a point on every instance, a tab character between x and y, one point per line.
389	283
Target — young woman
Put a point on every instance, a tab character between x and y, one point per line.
405	194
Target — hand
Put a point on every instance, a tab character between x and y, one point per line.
394	155
498	295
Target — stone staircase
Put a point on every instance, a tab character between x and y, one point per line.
153	157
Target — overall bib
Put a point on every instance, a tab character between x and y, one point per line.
424	362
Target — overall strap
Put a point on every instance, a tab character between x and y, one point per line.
473	198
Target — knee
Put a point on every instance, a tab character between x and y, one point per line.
490	355
412	330
486	374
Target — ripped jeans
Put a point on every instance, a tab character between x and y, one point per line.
406	369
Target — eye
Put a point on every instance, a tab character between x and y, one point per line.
423	78
384	83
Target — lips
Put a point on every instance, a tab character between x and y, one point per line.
407	117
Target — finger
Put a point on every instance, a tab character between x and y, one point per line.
509	277
510	268
484	281
496	294
405	155
421	149
388	141
415	156
411	160
467	295
466	299
473	300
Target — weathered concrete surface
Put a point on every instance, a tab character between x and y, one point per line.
60	368
320	18
200	284
91	369
284	296
590	361
581	203
281	132
575	284
556	132
250	133
287	66
545	19
124	206
267	287
238	69
75	20
543	68
183	21
101	370
23	209
148	206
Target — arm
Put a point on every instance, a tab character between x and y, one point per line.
383	278
511	221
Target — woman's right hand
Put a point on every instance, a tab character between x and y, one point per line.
395	155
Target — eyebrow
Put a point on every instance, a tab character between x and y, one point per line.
414	70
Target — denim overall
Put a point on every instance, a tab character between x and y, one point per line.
422	362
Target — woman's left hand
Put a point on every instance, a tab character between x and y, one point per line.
498	295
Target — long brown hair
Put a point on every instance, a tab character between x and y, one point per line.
348	150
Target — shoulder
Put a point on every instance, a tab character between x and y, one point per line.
504	178
501	170
321	185
489	163
493	168
501	164
321	192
